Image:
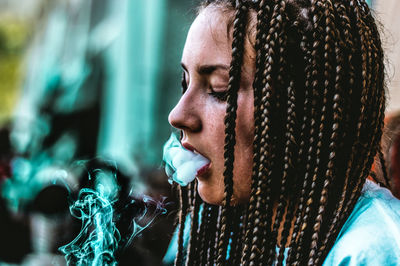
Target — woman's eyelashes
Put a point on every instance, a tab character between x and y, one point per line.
183	83
219	95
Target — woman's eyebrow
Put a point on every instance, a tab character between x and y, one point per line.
208	69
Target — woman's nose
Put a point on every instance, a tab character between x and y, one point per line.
185	115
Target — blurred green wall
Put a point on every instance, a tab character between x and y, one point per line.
147	79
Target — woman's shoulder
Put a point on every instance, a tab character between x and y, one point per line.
371	234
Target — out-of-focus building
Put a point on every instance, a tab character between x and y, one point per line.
387	13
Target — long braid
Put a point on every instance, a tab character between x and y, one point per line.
194	230
182	218
263	203
287	164
295	142
304	138
378	131
329	43
295	183
376	136
211	234
203	233
213	251
315	131
208	228
375	86
235	245
263	206
290	143
347	187
337	122
262	17
347	39
230	124
281	45
355	187
365	82
376	54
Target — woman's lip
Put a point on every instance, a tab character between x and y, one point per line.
203	169
188	146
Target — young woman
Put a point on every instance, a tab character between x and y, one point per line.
286	100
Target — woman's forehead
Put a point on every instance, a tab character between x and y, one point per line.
207	39
217	21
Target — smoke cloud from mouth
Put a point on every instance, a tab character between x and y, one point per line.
181	165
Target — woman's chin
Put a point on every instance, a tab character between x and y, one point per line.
210	194
214	194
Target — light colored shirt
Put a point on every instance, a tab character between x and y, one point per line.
371	234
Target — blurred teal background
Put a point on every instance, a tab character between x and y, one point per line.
83	80
119	59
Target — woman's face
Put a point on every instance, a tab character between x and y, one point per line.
201	110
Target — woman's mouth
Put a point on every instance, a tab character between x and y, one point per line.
203	170
188	146
182	162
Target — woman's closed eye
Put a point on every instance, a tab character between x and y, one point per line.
219	95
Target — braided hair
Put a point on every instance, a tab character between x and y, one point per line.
319	68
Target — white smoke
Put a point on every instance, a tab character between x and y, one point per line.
181	165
